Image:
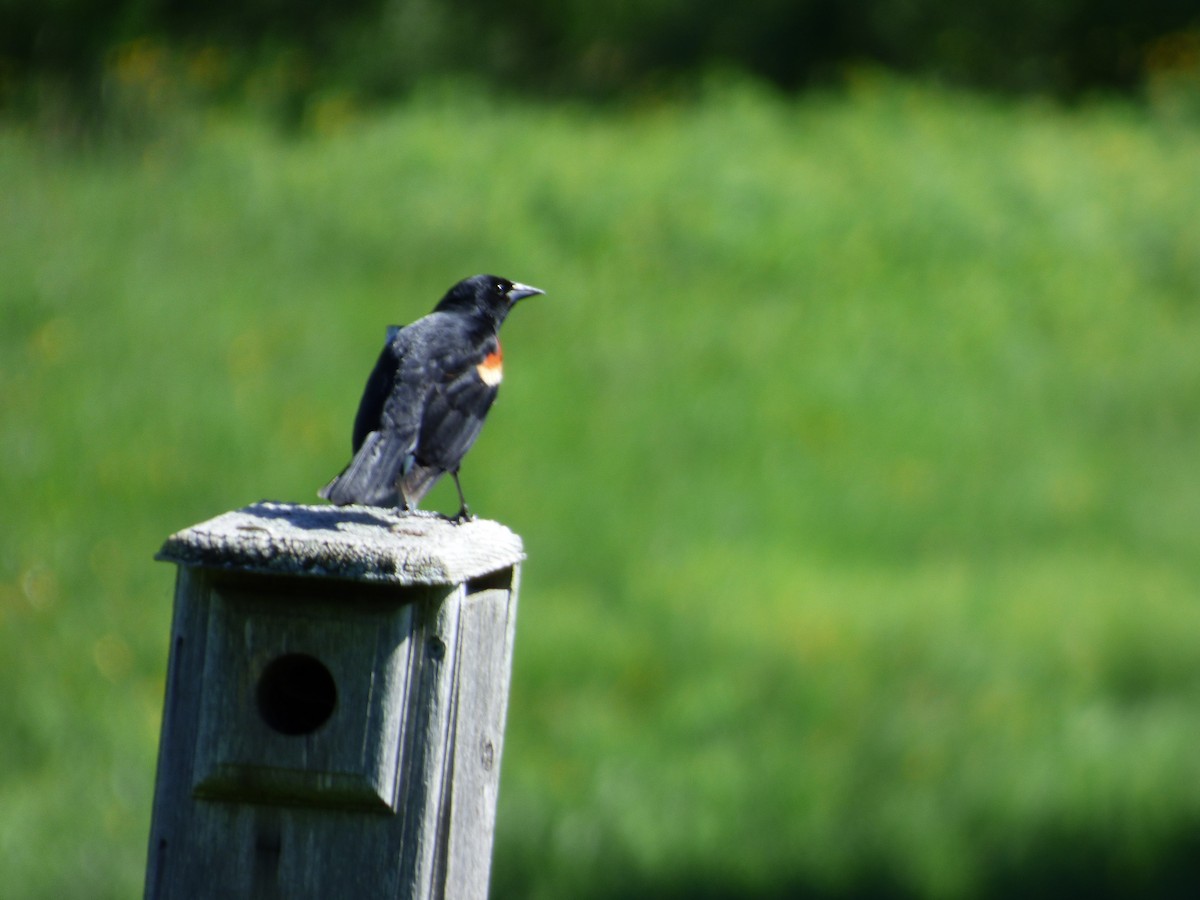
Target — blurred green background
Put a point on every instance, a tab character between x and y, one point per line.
854	447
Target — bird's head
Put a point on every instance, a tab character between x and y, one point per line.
487	294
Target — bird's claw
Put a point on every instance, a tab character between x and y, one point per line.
463	515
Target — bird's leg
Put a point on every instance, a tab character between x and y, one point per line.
464	514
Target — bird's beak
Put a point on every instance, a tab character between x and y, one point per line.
521	291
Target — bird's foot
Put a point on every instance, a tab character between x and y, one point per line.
463	515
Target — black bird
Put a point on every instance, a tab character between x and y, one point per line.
427	398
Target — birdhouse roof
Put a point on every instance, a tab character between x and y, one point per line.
358	543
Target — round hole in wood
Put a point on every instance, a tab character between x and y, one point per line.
296	694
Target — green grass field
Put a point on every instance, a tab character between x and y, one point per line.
855	449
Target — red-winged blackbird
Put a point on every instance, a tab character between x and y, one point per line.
427	398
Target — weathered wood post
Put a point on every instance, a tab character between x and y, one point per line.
335	705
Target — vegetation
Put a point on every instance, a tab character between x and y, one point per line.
854	449
382	48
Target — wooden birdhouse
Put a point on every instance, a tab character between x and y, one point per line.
335	705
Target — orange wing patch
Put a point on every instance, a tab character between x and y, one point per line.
491	370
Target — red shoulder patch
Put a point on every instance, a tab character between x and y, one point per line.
491	370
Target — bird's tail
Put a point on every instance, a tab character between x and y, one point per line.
371	477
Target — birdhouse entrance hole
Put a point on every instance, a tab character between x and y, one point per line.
296	694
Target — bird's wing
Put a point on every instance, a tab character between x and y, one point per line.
454	411
457	405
